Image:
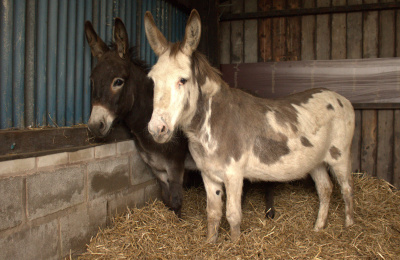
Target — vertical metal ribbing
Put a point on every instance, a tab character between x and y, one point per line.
70	88
173	27
128	20
169	25
30	47
51	81
96	16
142	32
41	92
87	66
18	81
6	23
121	10
45	62
80	20
62	61
134	25
109	21
101	30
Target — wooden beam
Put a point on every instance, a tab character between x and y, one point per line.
311	11
17	144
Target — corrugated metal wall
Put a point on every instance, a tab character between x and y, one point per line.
45	61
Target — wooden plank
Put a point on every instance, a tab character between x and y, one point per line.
250	33
264	32
396	150
278	33
323	40
356	144
19	144
368	146
237	34
354	33
354	79
384	162
293	33
370	32
225	37
311	11
338	50
225	43
387	33
398	33
308	34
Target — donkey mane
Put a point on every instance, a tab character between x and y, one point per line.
134	57
201	68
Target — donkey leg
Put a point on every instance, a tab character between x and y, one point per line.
343	175
269	198
324	188
234	187
175	177
163	178
214	207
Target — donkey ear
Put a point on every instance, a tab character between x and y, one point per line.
121	38
156	39
97	46
192	33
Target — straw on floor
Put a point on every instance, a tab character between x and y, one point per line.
154	232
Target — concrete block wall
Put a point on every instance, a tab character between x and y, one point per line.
50	206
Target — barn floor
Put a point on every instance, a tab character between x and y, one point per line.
153	232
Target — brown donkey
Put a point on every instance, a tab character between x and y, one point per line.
121	90
234	135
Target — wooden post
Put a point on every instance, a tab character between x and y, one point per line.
384	157
293	33
368	147
370	32
250	33
338	33
323	33
264	32
308	34
237	34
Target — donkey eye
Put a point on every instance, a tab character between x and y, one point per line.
182	81
117	83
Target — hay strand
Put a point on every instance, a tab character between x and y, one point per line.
153	232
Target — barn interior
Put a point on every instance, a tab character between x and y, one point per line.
59	184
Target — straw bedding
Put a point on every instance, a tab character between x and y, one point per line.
154	232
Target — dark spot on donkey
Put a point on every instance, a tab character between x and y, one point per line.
270	150
305	142
335	152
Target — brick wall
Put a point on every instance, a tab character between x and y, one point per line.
52	205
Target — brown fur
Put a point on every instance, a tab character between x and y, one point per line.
305	142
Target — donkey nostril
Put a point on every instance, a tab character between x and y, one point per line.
101	126
163	129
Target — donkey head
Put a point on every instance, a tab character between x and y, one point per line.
110	79
175	87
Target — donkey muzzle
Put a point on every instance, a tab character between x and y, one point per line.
159	129
100	121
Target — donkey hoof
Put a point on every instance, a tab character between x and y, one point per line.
349	222
270	213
